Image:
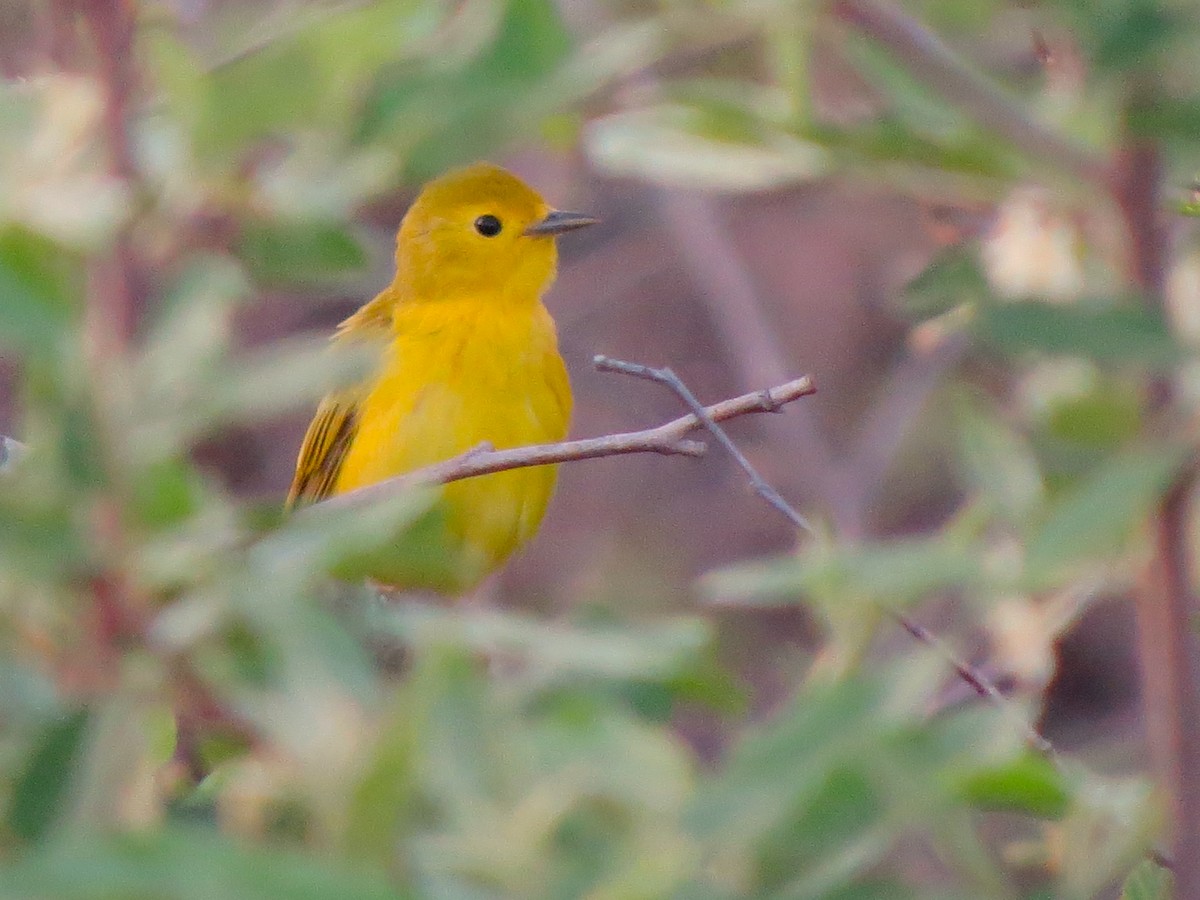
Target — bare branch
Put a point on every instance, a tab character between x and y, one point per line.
974	678
673	381
667	439
977	680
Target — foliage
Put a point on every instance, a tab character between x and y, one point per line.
196	704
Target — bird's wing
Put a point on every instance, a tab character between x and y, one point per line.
334	426
324	449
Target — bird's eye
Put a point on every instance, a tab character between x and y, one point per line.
488	226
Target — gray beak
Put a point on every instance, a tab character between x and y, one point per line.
558	222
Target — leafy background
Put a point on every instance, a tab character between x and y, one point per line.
970	221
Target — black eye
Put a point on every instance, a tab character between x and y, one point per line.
488	226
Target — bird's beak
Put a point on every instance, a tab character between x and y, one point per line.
558	222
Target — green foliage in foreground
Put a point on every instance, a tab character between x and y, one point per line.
239	723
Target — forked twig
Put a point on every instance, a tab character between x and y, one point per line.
666	377
977	680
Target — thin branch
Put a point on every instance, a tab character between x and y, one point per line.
974	678
929	60
977	680
670	379
667	439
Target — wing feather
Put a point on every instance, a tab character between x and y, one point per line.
333	428
324	450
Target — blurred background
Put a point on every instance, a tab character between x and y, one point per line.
969	221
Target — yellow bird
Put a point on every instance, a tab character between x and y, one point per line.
468	354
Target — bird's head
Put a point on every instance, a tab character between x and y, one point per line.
479	232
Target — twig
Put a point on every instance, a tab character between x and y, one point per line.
939	68
667	439
668	378
978	681
975	679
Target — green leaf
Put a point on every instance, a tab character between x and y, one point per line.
39	539
708	142
397	540
782	765
41	789
273	90
845	809
1164	117
998	461
293	252
1126	333
1148	881
1108	416
186	864
953	278
651	652
40	292
1028	784
1094	519
892	572
1131	39
166	493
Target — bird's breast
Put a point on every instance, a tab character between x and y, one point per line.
456	377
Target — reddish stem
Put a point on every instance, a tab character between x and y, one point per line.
1164	599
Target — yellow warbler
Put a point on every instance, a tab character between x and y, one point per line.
468	354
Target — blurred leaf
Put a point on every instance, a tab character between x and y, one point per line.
998	461
1093	520
784	763
1148	881
1127	333
394	540
267	381
273	90
192	326
908	98
39	792
383	796
1132	38
166	493
1108	416
296	252
1028	784
185	864
40	292
892	146
461	110
845	811
892	572
701	147
952	279
1164	117
39	539
1111	826
652	651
